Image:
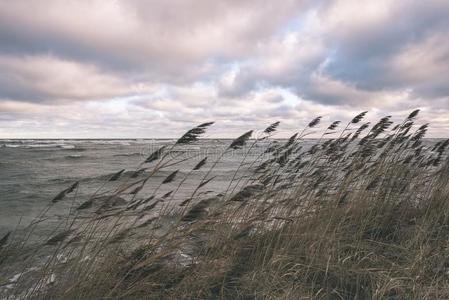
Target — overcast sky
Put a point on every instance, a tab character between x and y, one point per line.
139	68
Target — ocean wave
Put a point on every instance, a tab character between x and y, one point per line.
74	156
128	154
141	172
70	144
66	157
125	173
30	146
64	146
111	142
10	146
44	146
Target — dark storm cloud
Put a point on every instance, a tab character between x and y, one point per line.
365	54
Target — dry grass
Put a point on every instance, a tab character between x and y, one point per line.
363	215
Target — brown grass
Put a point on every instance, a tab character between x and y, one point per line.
364	217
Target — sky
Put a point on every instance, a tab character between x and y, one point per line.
153	69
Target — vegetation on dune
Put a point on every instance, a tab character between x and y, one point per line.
363	213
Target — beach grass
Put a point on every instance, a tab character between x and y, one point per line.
362	213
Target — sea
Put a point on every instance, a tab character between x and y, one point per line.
33	172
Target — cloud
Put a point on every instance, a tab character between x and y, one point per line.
176	40
46	78
165	65
370	37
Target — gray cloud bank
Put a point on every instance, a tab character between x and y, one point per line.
153	68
